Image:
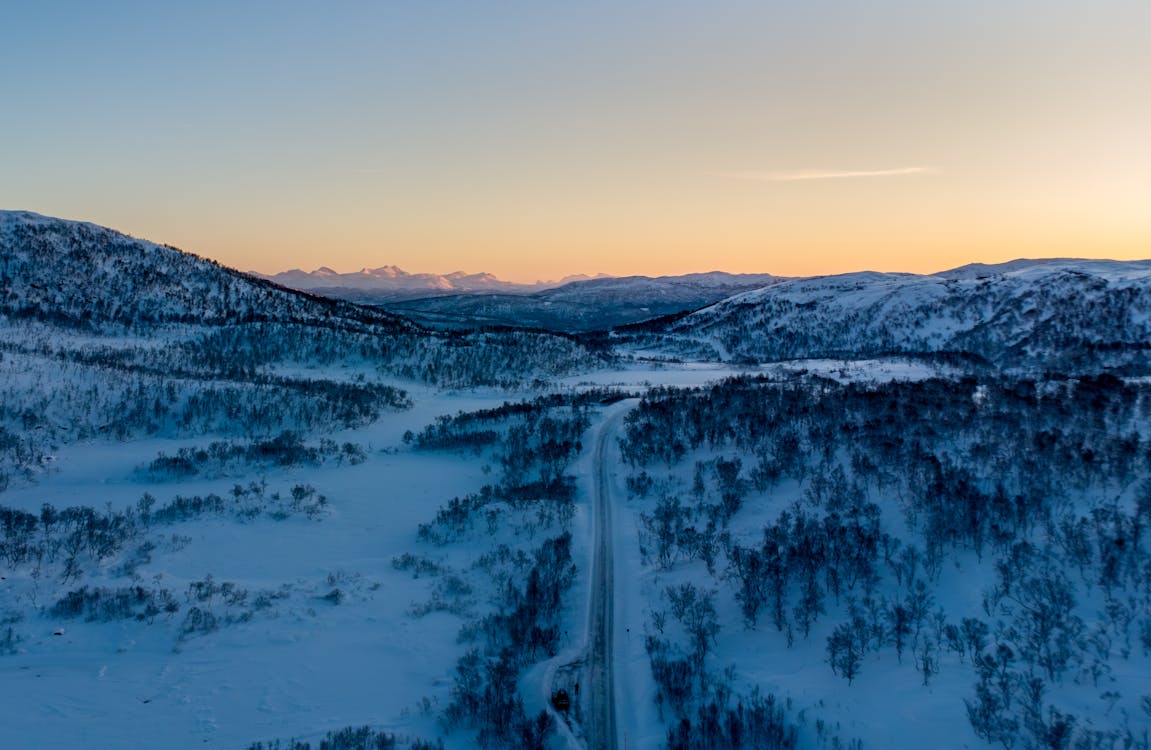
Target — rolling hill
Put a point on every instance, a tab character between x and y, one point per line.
1060	313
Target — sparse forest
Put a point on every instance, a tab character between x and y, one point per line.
53	561
533	444
869	500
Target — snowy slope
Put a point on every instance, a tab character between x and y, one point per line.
80	274
283	656
1050	312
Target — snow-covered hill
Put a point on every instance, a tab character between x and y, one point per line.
83	275
1054	313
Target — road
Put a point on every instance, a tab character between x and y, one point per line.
600	724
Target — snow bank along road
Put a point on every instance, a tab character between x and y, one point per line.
600	713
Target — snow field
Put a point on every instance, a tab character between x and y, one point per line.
299	667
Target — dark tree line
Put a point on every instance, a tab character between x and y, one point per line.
286	449
350	738
72	537
754	723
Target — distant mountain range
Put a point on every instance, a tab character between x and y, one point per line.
1057	313
390	283
578	306
574	304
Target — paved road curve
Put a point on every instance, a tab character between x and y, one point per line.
600	713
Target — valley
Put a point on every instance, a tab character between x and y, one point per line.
842	512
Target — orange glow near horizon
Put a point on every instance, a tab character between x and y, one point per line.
787	251
930	223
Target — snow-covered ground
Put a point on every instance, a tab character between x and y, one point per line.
299	667
304	664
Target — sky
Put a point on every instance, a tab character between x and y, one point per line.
534	138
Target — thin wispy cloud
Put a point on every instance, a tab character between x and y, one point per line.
798	175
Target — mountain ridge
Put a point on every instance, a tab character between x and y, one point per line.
63	270
390	282
1026	312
